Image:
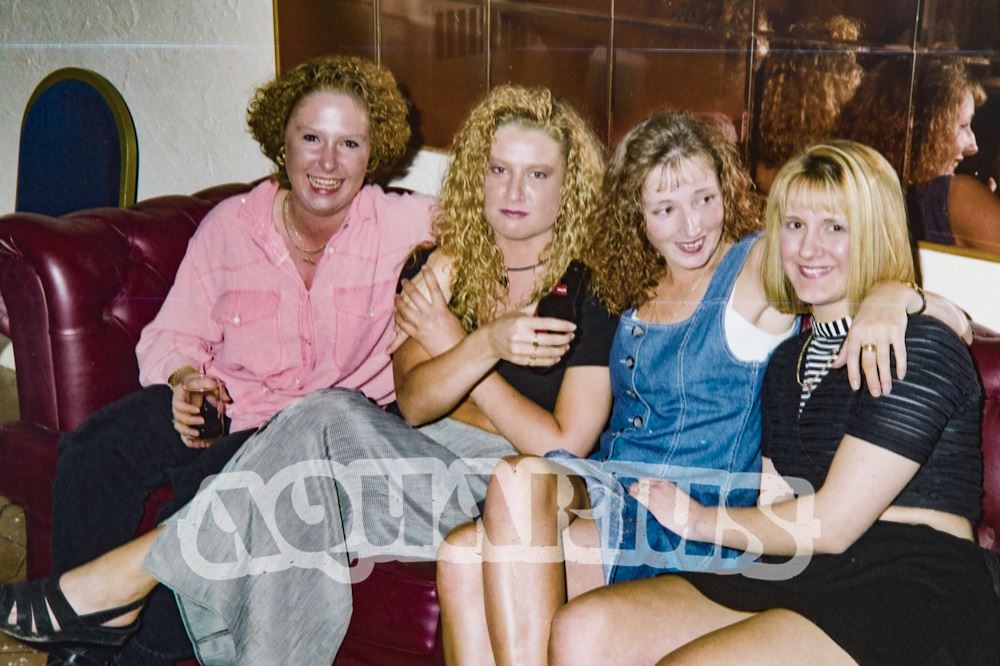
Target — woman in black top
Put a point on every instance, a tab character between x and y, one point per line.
872	518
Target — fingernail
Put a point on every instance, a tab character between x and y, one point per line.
855	384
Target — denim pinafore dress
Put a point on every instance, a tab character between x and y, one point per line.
685	409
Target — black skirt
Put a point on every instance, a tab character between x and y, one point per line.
902	594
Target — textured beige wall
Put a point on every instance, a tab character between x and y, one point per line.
186	68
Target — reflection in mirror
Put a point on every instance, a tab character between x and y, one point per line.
985	165
726	18
882	23
804	84
969	25
943	207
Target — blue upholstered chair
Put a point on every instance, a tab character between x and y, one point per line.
78	147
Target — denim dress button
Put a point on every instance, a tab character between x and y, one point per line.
637	331
629	362
637	421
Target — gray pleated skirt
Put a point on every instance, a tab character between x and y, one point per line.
259	559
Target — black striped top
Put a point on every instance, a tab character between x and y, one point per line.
821	349
932	417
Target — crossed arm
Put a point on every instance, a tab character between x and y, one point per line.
441	366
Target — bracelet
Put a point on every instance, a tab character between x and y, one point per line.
175	376
923	299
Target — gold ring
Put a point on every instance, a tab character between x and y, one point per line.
869	346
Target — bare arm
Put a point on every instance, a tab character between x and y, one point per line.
862	482
881	320
974	212
773	486
579	416
440	366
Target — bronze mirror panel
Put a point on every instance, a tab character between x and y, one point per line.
437	50
659	66
306	29
564	51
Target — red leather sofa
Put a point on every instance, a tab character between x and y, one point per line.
80	288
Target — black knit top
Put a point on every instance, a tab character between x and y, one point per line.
932	417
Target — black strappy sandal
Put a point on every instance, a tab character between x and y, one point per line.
34	625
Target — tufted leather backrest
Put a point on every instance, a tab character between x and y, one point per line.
83	287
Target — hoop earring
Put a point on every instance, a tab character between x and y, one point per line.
280	159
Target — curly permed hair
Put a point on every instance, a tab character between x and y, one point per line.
626	267
461	229
374	86
878	114
805	88
941	87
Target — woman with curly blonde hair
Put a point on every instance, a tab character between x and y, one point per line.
680	255
943	207
333	477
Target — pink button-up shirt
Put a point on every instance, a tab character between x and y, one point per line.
239	310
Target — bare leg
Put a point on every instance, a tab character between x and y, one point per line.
523	565
460	592
666	615
582	545
649	618
114	579
776	637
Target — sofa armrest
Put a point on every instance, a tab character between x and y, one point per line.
80	288
986	353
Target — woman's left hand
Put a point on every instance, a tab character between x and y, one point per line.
670	505
426	318
878	328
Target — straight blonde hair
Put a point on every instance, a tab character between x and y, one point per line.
856	181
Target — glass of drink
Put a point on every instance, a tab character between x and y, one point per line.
205	393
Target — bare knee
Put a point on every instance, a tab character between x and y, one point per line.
459	559
524	494
579	633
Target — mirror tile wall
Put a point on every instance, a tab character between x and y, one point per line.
778	73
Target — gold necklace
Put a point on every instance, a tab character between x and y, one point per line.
293	233
802	381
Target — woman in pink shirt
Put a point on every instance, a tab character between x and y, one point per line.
283	290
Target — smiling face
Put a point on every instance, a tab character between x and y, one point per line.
684	212
815	245
326	154
521	188
963	138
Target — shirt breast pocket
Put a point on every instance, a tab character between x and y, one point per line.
250	333
363	315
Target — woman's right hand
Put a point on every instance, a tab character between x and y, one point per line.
527	340
187	416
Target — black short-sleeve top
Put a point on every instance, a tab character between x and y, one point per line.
932	417
591	346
